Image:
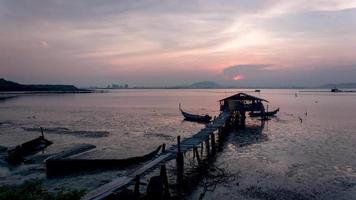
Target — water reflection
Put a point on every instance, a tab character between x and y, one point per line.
4	98
251	134
284	153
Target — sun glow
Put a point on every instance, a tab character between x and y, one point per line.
238	77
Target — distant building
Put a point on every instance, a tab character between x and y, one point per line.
117	86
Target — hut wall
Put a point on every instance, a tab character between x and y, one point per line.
232	105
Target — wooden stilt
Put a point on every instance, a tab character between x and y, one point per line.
163	147
201	149
163	174
243	119
178	143
137	187
180	162
42	132
213	148
207	146
195	150
179	158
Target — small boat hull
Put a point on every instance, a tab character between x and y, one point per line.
195	118
63	167
17	154
265	114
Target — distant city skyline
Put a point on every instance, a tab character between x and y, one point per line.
170	43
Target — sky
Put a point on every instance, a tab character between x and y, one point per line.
166	42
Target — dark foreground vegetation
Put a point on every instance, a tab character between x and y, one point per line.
33	190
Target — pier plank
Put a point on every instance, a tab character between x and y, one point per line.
109	188
185	145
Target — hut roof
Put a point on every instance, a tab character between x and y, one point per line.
243	96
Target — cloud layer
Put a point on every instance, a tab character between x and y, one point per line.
156	43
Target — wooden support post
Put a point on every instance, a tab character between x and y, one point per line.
137	187
178	143
195	150
180	165
202	149
243	119
220	136
207	146
163	147
213	150
163	174
236	118
42	132
179	158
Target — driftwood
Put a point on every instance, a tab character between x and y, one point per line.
62	167
16	155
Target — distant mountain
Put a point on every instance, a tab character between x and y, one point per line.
339	85
10	86
205	85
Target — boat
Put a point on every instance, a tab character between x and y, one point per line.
67	166
194	117
336	90
16	155
264	114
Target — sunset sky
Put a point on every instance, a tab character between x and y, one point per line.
167	43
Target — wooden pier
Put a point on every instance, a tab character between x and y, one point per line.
233	112
175	152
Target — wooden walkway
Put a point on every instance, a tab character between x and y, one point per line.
186	145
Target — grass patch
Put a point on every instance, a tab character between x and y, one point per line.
33	190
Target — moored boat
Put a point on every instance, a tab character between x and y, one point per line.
17	154
63	167
264	114
194	117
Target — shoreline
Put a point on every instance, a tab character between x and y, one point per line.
47	92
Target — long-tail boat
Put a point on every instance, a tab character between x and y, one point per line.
67	166
264	114
194	117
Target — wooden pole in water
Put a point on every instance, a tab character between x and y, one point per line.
213	143
178	143
163	147
180	164
207	146
137	187
163	174
42	132
179	158
202	149
195	150
243	118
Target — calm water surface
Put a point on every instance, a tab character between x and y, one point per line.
284	159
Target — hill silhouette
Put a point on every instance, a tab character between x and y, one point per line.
10	86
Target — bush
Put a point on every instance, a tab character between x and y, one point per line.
33	190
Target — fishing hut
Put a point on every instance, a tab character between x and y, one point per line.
237	105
